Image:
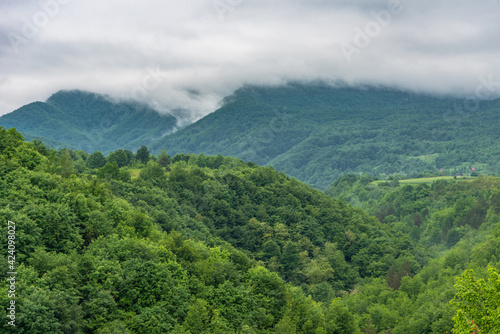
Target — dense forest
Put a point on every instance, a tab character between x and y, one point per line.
318	133
90	122
138	243
313	132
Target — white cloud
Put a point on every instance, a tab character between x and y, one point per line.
107	47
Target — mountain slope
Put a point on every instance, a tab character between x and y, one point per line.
318	133
99	252
89	122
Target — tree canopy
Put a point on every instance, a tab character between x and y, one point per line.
210	244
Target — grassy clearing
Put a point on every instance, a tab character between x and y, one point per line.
134	173
429	179
428	158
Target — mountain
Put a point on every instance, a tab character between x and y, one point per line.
89	122
317	133
212	244
313	132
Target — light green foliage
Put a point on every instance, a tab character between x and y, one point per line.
198	317
219	245
478	303
153	171
66	165
9	140
339	319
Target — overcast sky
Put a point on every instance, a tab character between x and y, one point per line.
189	54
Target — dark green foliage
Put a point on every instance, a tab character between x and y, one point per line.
89	122
163	159
143	154
459	215
109	171
96	160
313	132
89	261
317	133
218	245
120	157
437	214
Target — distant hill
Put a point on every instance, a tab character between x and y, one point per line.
317	133
314	132
89	122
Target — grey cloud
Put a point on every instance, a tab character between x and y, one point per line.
203	51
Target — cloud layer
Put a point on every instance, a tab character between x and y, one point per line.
184	56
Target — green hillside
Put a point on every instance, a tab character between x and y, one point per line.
89	122
456	220
313	132
212	244
434	214
317	133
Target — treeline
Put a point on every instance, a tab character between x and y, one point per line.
89	122
458	222
196	244
91	262
317	133
436	215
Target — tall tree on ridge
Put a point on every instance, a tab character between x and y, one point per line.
143	154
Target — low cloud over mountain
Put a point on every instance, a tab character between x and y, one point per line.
184	57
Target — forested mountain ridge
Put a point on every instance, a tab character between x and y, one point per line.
458	221
313	132
437	214
201	244
317	133
89	122
94	254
